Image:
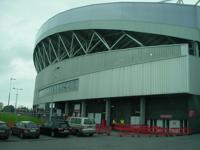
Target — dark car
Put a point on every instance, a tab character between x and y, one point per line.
4	130
26	129
55	128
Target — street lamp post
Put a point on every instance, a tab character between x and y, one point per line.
17	93
11	79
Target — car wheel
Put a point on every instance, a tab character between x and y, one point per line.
21	135
52	134
6	138
37	136
78	133
91	134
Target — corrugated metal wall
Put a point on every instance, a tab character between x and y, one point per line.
194	75
137	71
160	77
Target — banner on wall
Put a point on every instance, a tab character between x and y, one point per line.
77	108
135	120
174	124
98	118
191	113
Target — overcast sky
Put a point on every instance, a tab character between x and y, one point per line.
19	23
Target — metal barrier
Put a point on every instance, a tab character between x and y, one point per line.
143	130
103	129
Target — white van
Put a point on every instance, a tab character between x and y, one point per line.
82	125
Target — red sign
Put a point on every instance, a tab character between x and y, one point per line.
166	116
191	113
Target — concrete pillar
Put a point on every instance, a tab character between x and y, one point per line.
142	110
83	109
67	108
107	112
51	111
196	49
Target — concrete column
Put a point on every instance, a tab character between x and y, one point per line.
51	111
107	112
83	109
142	110
67	108
196	48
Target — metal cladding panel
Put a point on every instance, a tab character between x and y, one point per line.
70	69
194	75
184	17
198	17
91	63
134	71
117	59
161	77
75	67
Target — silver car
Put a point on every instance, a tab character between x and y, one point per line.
82	126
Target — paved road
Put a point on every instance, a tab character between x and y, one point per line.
100	142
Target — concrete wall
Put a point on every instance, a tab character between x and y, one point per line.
174	105
194	113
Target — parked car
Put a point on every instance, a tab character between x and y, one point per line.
26	129
55	128
4	130
82	126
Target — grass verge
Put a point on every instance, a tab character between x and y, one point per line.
11	118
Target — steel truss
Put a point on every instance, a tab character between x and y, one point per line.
60	46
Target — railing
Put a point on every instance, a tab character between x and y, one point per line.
150	130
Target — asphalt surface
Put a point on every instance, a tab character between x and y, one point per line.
103	142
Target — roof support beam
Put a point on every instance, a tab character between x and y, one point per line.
197	2
39	62
121	37
53	50
103	41
84	50
94	46
45	50
76	51
64	46
36	63
40	54
135	40
91	39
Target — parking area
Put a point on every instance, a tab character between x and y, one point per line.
99	142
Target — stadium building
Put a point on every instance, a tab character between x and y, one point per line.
128	61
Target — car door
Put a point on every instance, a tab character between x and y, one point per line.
43	128
50	126
19	128
15	128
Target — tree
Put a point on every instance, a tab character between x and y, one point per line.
8	108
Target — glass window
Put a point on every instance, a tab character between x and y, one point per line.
89	121
3	125
78	121
66	86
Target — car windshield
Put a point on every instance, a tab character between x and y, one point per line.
2	125
30	125
89	121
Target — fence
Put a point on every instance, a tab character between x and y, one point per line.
103	129
138	130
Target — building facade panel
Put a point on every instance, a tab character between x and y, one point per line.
128	12
194	75
121	63
155	77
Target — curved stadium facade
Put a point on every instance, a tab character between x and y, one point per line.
137	62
